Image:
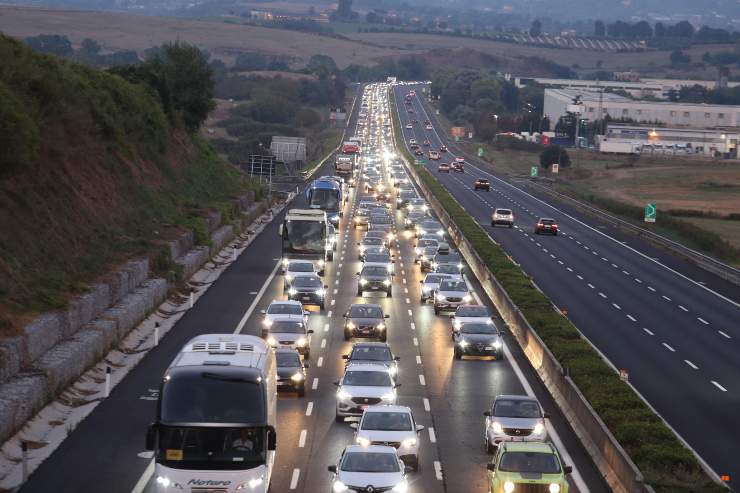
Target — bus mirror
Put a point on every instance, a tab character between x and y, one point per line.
271	438
151	434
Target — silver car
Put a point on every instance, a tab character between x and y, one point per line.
430	284
450	294
514	418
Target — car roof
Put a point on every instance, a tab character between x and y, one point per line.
370	344
389	408
541	447
473	306
287	350
375	367
384	449
285	302
298	261
546	219
366	304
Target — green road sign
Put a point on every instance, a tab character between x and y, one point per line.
424	162
650	212
533	172
457	138
480	152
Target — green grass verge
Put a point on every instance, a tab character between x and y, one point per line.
667	465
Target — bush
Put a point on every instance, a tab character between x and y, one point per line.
554	154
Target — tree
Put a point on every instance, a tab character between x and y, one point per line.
510	96
554	154
678	57
683	29
599	29
52	44
642	29
536	28
659	30
372	18
90	46
322	65
344	11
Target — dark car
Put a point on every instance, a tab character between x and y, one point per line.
482	184
308	290
365	320
546	225
443	148
478	339
374	278
425	259
375	353
291	373
418	152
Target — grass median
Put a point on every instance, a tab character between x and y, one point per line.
667	465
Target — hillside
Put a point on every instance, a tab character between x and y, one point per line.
92	172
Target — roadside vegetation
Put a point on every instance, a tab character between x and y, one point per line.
97	167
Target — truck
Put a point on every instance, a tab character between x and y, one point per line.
326	194
305	235
216	417
611	147
344	165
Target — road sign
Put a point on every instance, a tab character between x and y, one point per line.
480	152
457	138
555	167
650	212
533	171
424	162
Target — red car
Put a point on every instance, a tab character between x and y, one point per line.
546	225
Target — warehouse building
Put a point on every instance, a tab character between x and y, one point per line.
596	105
675	141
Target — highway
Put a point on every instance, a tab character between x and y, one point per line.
106	451
673	327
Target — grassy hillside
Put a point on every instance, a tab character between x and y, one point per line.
91	173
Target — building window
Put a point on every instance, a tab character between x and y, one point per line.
590	109
686	114
673	113
625	111
721	116
706	115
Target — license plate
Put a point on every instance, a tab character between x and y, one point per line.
306	298
489	348
547	227
375	287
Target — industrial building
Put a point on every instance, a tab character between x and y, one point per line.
675	141
595	105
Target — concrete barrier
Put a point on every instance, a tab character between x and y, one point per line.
612	461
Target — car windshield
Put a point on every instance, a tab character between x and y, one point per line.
547	221
367	378
426	243
448	258
516	408
386	421
431	226
472	311
529	462
365	311
300	267
434	279
453	285
288	360
307	282
378	219
285	309
369	462
377	257
503	212
285	327
372	241
371	353
479	329
430	250
374	270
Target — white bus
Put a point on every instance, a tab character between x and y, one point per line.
216	417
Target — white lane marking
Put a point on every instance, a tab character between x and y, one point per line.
256	300
692	365
336	290
669	348
616	306
329	314
615	266
638	280
580	277
724	335
625	273
406	290
667	298
648	331
294	478
591	286
309	408
418	359
323	343
411	314
302	439
651	288
144	479
683	308
602	295
605	259
632	318
416	341
427	407
404	281
702	320
432	435
438	470
320	362
422	380
315	384
719	386
569	269
412	325
333	302
560	262
326	327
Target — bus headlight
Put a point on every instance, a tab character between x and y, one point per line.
164	481
252	483
554	488
508	487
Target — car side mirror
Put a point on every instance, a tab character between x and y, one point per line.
332	469
271	438
345	356
398	385
309	331
386	316
326	286
396	358
568	469
421	282
491	467
151	436
487	414
546	415
306	365
419	428
336	383
354	425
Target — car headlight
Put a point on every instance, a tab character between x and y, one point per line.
389	397
463	343
497	428
460	266
426	289
362	249
164	481
350	325
409	442
271	341
417	251
362	441
441	297
292	291
297	377
467	298
401	487
386	282
342	395
267	322
380	327
508	487
301	342
435	265
390	236
285	262
320	292
252	483
339	487
288	277
321	263
357	219
363	281
538	429
497	344
554	488
441	232
389	268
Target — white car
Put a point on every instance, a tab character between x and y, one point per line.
288	334
430	284
502	216
470	314
409	126
514	418
373	468
417	205
320	264
289	310
450	294
393	426
298	268
363	385
384	259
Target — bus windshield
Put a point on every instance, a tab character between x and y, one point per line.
304	236
324	199
181	447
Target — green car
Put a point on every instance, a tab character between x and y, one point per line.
527	467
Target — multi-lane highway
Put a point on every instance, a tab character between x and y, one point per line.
447	396
673	327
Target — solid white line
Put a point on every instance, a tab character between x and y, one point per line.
719	386
669	348
702	320
422	380
294	478
309	408
144	479
438	470
256	300
432	435
315	384
427	408
302	439
648	331
692	365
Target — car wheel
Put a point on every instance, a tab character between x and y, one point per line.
330	257
490	448
384	338
452	335
322	306
511	225
493	224
500	355
302	391
555	233
338	418
307	355
389	293
458	354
